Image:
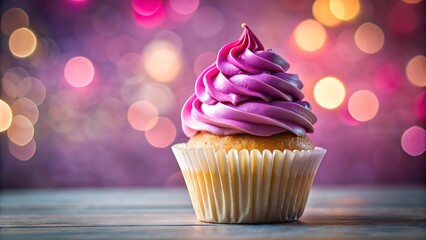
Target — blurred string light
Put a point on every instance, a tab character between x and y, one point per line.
369	38
309	35
160	95
346	48
413	141
93	129
21	131
363	105
5	116
184	7
9	84
5	63
147	13
329	92
322	13
25	86
11	79
131	89
17	73
296	6
411	1
57	108
171	37
76	131
416	71
22	43
79	71
13	19
146	7
72	113
345	9
33	89
27	108
346	118
142	115
23	153
161	60
60	115
111	113
80	102
46	54
162	134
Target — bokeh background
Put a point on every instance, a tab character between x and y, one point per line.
91	90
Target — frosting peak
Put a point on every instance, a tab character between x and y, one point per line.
247	90
247	55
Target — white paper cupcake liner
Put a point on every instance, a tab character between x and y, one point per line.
248	187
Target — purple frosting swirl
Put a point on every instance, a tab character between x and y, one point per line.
247	90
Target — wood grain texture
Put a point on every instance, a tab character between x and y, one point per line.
332	213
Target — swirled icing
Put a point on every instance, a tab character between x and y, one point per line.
247	90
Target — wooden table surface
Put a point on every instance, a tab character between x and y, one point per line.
332	213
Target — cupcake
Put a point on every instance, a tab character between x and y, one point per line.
248	159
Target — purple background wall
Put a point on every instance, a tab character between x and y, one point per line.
86	136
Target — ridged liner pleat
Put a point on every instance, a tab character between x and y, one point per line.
248	187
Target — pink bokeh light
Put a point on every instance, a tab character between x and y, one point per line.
142	115
150	21
413	141
162	134
79	72
146	7
184	7
346	118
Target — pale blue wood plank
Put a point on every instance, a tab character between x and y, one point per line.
332	213
214	231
